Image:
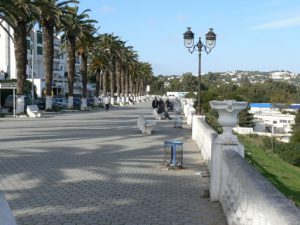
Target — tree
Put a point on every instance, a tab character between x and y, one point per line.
85	44
20	15
246	118
296	129
189	82
49	19
73	24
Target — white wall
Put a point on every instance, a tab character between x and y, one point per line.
245	195
205	139
248	198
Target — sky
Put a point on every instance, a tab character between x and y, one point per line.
261	35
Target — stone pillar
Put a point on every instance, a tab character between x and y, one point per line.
112	100
96	101
228	111
49	102
83	105
20	103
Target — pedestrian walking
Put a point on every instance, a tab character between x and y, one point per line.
107	102
155	103
161	109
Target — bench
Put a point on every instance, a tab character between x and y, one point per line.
157	115
145	126
33	111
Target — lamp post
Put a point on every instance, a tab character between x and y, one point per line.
207	47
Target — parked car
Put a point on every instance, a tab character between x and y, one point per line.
90	101
8	103
60	103
40	102
76	102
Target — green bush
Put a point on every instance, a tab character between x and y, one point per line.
289	152
211	118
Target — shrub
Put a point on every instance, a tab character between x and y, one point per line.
289	152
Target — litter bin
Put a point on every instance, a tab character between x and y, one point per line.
178	122
173	153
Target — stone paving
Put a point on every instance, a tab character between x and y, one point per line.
96	168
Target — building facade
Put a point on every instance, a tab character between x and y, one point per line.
269	118
35	71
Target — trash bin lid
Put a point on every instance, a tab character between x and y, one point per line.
172	142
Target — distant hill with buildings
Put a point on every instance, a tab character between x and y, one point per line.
188	81
239	76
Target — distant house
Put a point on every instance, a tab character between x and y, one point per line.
177	94
268	118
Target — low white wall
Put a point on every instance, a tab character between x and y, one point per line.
204	136
189	112
248	198
245	195
243	130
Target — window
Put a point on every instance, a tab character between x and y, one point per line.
28	44
274	122
283	121
39	37
40	50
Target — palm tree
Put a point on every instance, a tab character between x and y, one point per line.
97	66
110	49
147	73
131	58
20	16
49	20
85	42
119	61
74	24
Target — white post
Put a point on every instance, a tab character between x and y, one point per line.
228	111
14	102
32	73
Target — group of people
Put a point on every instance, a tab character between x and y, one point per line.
160	106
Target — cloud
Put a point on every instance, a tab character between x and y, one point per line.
278	24
107	9
181	18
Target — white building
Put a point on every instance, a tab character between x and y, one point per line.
35	67
7	54
270	119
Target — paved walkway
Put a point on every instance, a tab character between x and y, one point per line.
95	168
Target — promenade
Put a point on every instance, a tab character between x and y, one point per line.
96	168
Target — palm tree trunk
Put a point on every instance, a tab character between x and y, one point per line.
98	83
126	84
71	68
123	83
134	88
48	36
104	81
112	83
118	80
142	88
137	87
21	59
131	85
83	69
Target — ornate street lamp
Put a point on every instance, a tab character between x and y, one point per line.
207	47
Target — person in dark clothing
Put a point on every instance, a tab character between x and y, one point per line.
161	109
169	106
155	103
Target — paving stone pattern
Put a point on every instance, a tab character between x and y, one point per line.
95	168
